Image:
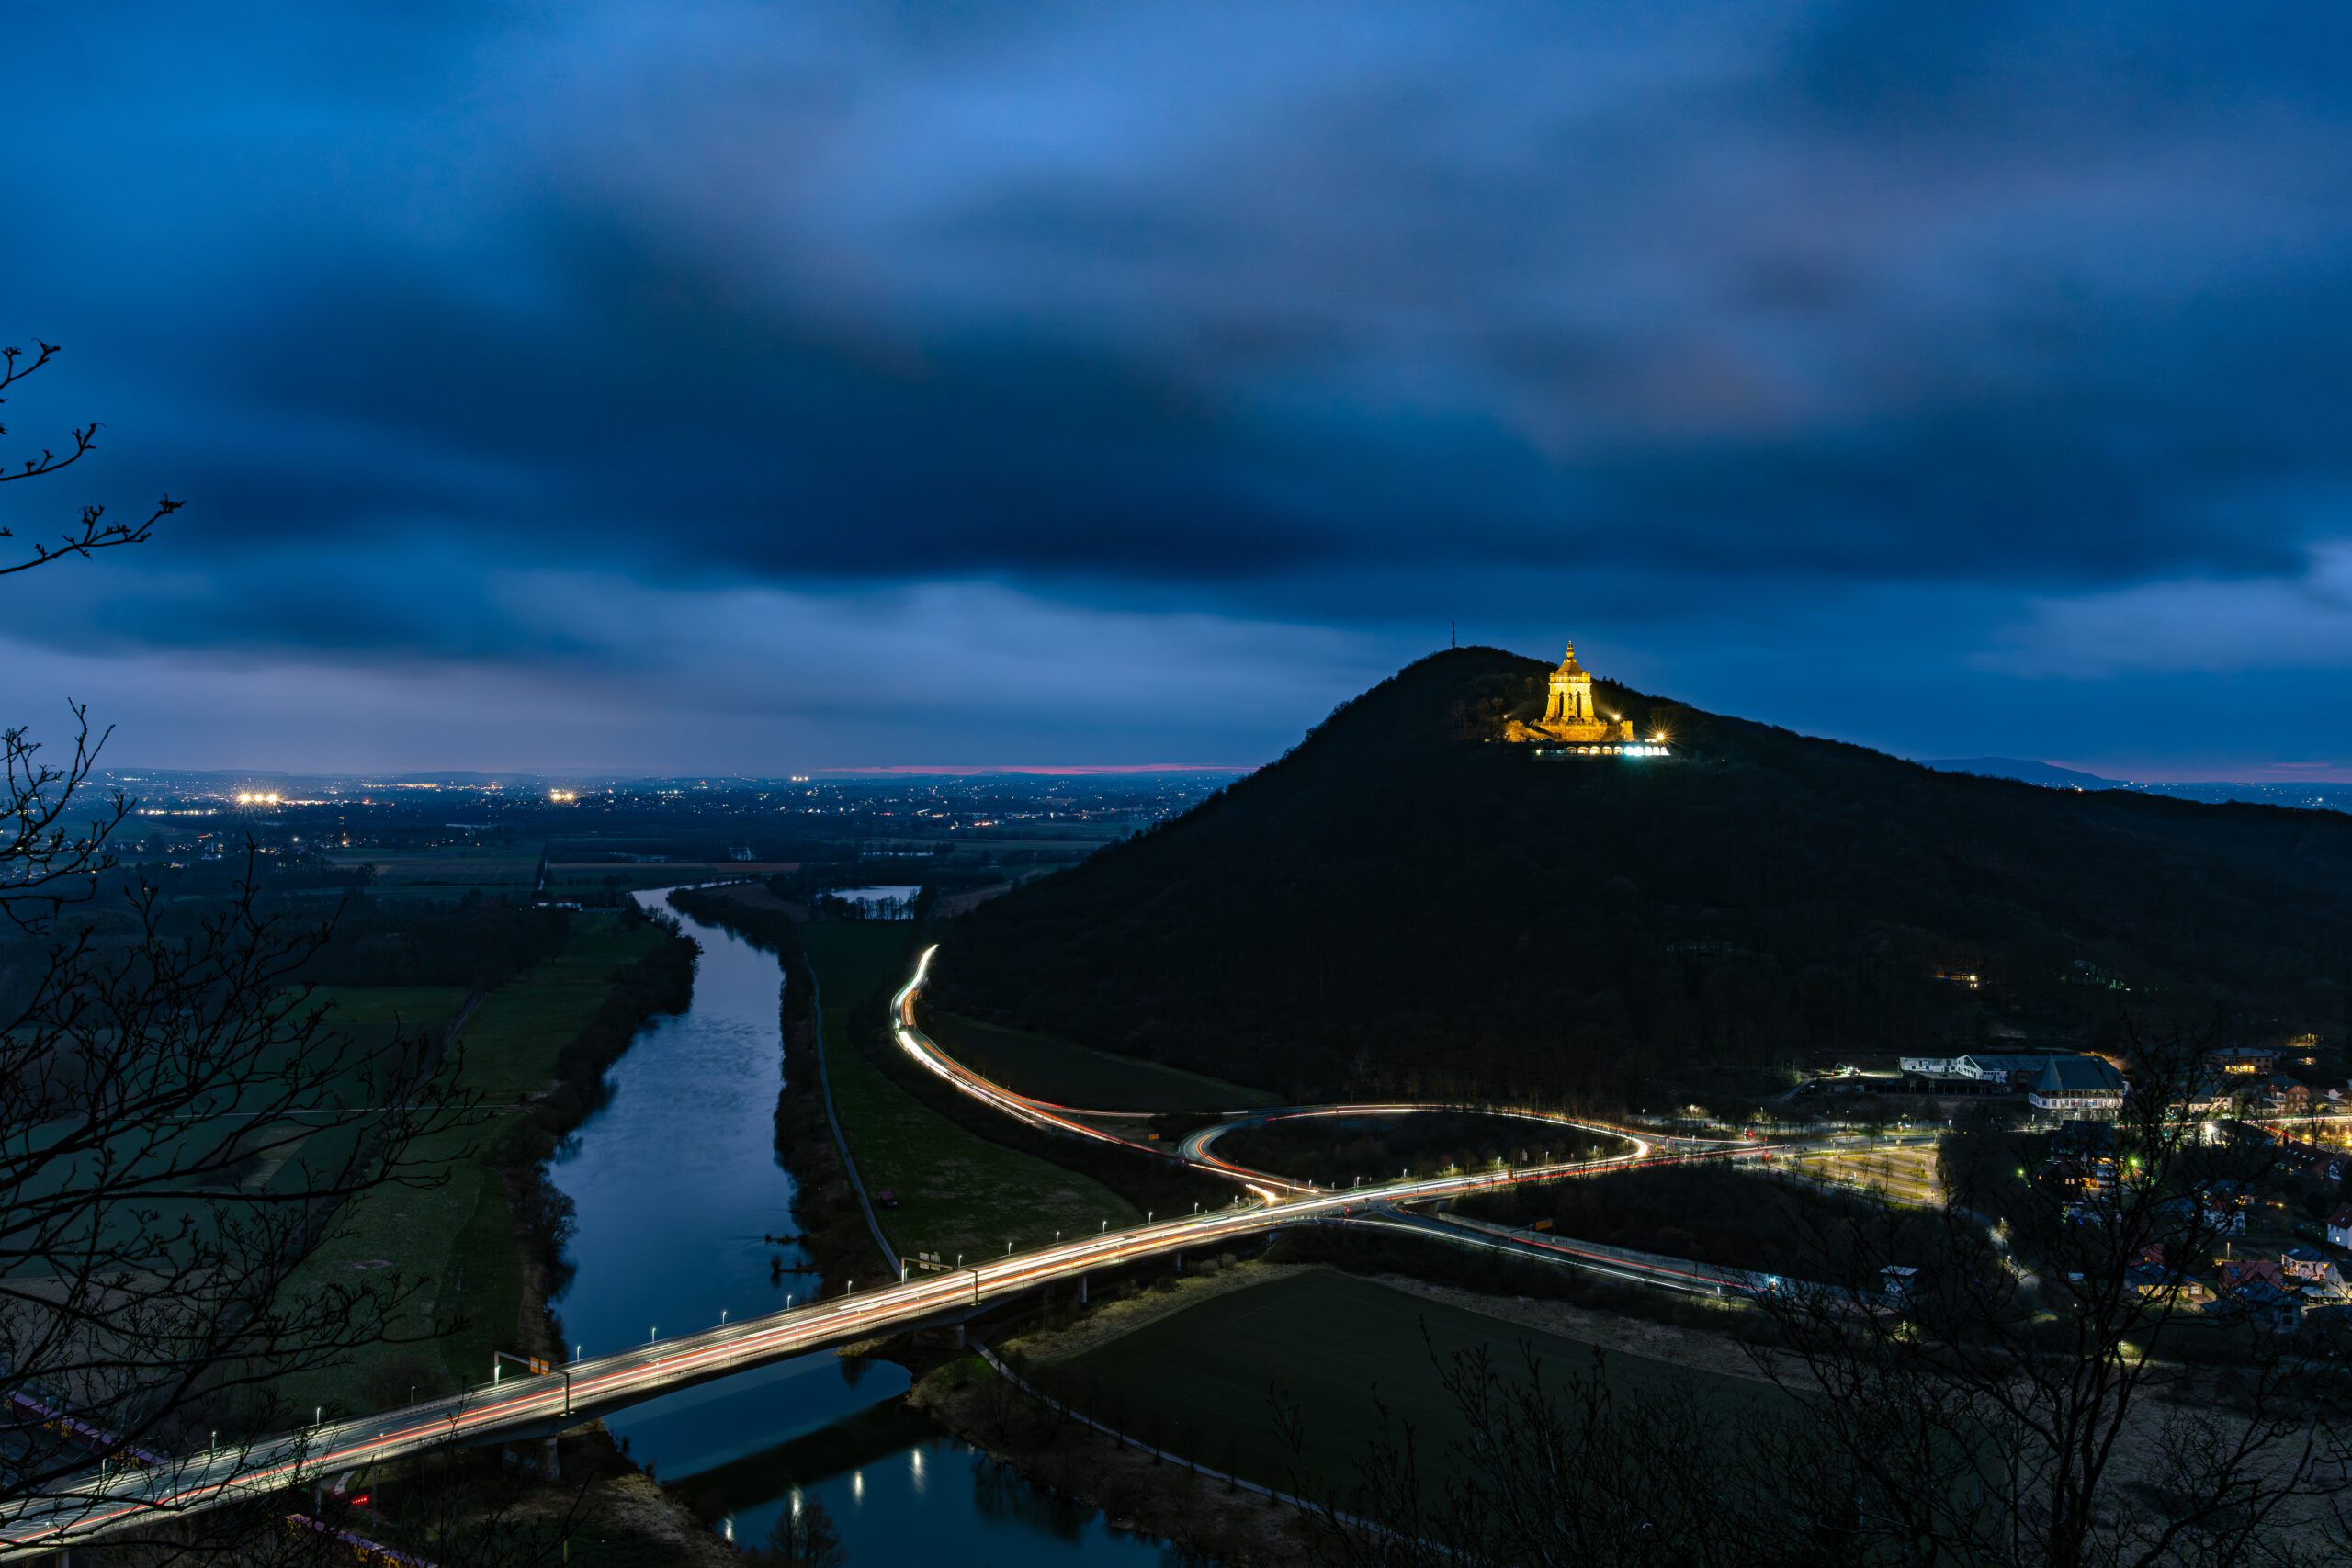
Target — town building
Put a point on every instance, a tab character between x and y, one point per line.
2246	1061
1987	1070
2078	1085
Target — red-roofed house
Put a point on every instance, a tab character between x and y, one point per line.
2239	1272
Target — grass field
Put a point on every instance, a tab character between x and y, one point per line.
457	864
854	959
380	1013
1075	1075
448	873
459	1234
1201	1378
956	1192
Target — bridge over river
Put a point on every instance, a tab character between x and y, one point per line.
536	1404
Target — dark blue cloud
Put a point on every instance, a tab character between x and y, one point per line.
1967	327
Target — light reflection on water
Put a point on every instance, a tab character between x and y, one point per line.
676	1186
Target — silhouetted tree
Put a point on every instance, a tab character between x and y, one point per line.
2048	1403
180	1130
2064	1407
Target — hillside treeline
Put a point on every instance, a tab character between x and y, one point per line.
1401	906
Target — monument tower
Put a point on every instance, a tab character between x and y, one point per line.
1568	702
1569	713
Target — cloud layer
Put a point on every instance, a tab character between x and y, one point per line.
1929	380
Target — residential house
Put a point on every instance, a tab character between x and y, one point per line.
2255	1289
2311	1266
2245	1061
2157	1281
2236	1273
2272	1307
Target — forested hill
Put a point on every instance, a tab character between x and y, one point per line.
1399	905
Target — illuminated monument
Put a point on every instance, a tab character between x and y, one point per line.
1570	723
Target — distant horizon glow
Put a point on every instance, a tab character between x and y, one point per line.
2281	774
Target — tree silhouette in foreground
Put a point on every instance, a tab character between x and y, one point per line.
181	1129
2047	1391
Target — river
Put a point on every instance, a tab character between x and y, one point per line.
676	1184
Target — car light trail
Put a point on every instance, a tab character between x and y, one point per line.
97	1503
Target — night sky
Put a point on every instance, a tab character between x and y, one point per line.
766	387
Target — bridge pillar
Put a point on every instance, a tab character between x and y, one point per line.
1081	1290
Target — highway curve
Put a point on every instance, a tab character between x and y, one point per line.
94	1505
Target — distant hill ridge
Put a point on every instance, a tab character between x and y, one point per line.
1399	905
2025	771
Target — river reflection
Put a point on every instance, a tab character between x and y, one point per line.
677	1189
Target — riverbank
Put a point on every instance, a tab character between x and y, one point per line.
602	1500
1136	1490
485	1246
1139	1491
1097	1417
684	1212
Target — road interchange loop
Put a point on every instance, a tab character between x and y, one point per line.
111	1500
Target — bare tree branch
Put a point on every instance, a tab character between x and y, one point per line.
93	532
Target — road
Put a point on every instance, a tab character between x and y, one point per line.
1197	1147
530	1404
